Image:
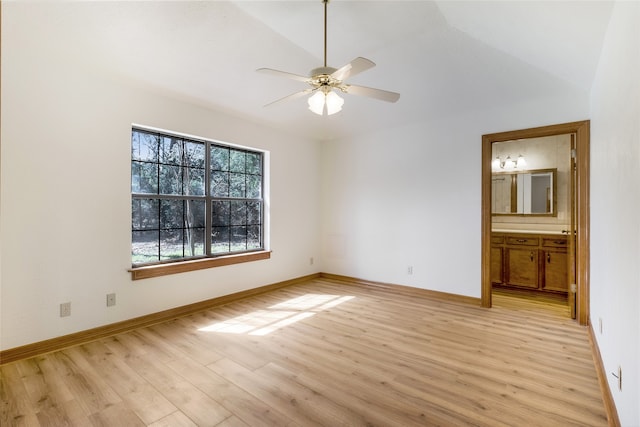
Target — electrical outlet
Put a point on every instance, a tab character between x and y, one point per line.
410	269
600	324
311	261
65	309
111	300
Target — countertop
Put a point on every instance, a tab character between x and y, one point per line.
505	230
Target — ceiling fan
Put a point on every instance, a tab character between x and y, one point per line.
323	81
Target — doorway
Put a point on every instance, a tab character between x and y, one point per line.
579	131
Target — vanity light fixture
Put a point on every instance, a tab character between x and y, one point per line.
509	163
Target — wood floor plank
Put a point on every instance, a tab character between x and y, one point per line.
234	421
235	399
89	389
375	373
325	353
291	401
187	340
143	399
16	406
116	415
175	419
370	403
51	400
182	394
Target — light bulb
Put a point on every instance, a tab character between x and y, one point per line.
521	162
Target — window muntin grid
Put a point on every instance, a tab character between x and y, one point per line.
193	198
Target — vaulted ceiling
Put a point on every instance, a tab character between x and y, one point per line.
443	57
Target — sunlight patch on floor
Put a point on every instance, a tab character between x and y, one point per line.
263	322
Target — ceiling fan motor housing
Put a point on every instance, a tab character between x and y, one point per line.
321	76
322	70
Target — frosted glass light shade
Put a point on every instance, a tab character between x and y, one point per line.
331	99
316	102
334	103
495	165
508	163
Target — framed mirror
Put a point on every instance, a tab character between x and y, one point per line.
524	193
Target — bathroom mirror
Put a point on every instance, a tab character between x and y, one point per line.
524	193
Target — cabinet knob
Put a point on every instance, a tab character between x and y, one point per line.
548	257
531	256
521	240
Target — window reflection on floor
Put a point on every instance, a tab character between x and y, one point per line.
265	321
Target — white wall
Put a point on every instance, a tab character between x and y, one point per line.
411	196
615	229
65	195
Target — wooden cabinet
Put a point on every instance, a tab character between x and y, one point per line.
522	267
555	262
529	261
497	255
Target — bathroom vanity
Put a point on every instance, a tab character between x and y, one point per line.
530	260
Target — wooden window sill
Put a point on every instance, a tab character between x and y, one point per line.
158	270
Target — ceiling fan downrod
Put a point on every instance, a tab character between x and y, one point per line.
325	31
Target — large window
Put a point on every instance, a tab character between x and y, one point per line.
193	198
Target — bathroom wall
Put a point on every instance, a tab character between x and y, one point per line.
539	153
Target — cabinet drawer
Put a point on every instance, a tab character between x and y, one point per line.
523	240
554	242
497	239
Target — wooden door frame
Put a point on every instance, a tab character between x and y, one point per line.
581	130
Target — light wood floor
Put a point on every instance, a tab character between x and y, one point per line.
322	353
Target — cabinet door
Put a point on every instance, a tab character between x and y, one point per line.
522	267
555	271
496	265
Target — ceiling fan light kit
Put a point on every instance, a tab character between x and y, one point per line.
323	81
325	97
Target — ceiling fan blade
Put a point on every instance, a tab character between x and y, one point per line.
283	74
292	96
383	95
354	67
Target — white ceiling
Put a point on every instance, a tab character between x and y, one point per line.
443	57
